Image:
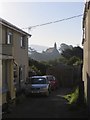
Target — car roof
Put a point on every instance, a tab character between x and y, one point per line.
37	77
48	76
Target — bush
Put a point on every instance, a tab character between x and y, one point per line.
73	97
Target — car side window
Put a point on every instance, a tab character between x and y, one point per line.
54	78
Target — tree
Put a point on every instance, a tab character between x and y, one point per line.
38	67
74	61
78	52
64	47
75	51
67	53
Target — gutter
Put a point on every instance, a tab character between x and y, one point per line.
11	26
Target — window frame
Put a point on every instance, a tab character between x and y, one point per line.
9	39
22	41
21	73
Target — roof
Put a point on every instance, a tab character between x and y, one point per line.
48	76
49	50
86	8
11	26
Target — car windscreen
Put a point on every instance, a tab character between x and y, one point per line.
50	78
38	81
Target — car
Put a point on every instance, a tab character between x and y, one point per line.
37	85
52	81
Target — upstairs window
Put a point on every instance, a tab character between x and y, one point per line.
23	44
9	38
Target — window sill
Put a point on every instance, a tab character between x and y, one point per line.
23	47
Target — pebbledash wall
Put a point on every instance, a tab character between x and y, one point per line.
86	53
13	59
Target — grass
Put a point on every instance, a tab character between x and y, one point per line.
72	97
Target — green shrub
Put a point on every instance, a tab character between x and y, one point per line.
72	97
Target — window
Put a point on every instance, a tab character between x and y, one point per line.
22	73
9	38
23	41
38	81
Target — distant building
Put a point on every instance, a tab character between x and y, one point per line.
50	54
52	49
13	59
86	53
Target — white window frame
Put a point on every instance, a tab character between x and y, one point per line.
22	73
22	41
9	38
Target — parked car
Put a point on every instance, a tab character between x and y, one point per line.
52	81
37	85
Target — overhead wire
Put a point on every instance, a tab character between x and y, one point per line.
64	19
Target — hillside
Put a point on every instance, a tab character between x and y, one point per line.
51	53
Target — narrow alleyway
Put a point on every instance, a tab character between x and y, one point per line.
53	106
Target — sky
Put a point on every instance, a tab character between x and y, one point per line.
26	14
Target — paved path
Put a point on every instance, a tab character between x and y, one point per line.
53	106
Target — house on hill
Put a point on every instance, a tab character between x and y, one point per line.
52	50
49	50
50	54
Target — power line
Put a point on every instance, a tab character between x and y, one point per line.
29	28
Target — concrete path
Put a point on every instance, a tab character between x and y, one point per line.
53	106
